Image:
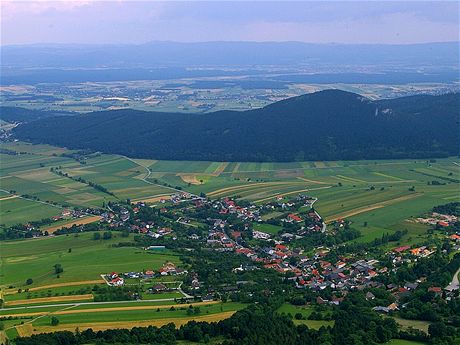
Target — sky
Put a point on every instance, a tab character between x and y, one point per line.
125	21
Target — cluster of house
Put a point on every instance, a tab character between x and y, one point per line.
442	220
455	238
118	279
182	197
218	238
228	206
74	214
398	292
404	253
113	279
315	272
117	218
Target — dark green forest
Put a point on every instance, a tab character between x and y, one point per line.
326	125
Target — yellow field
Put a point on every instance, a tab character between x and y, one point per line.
189	178
80	221
350	179
155	198
100	326
2	337
320	165
9	197
85	297
25	330
387	176
51	286
220	169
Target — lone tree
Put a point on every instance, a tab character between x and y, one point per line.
58	269
29	281
107	235
54	321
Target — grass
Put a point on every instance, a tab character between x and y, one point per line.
88	259
30	174
421	325
123	315
305	311
138	315
16	210
51	292
404	342
267	228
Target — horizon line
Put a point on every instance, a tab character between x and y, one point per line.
222	41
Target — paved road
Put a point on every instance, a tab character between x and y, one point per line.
148	173
87	303
454	284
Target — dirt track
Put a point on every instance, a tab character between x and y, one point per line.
359	210
9	197
311	181
102	310
249	186
293	192
140	307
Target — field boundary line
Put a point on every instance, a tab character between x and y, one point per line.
368	208
293	192
311	181
249	186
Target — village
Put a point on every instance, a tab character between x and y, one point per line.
228	225
269	236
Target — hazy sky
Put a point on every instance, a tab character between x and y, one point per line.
125	21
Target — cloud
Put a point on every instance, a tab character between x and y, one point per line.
129	21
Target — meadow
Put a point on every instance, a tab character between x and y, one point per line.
305	311
87	260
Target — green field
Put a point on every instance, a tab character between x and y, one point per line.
404	342
267	228
375	193
138	315
305	311
88	259
29	173
15	210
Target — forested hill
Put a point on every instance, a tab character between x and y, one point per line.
16	114
326	125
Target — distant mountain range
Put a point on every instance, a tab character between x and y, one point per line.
287	61
326	125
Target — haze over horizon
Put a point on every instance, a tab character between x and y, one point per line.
120	22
